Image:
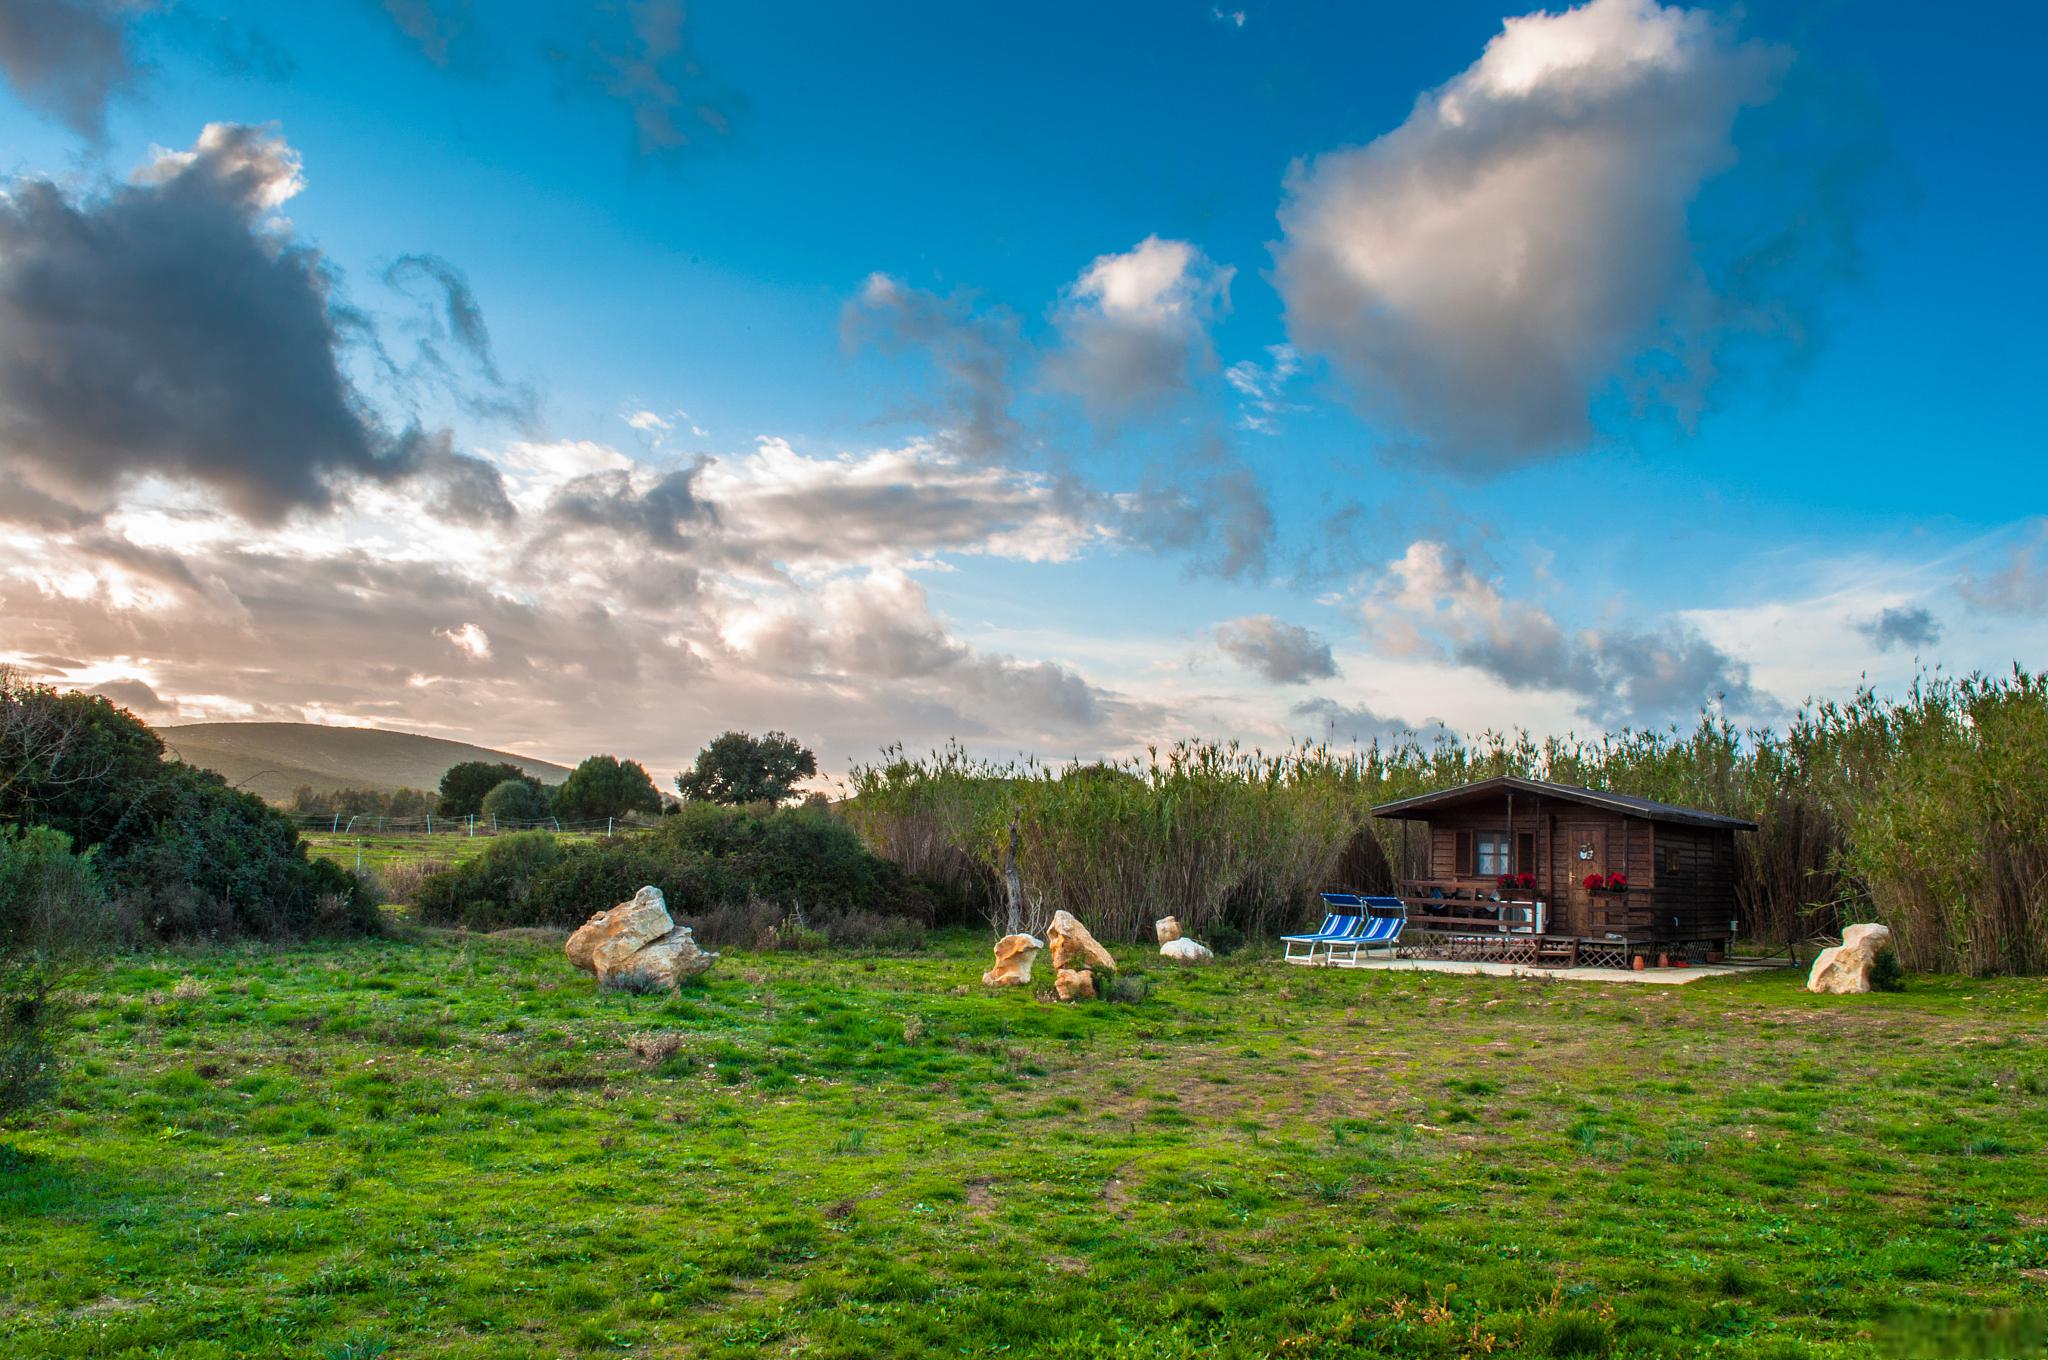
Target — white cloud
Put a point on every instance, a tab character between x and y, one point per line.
1134	326
1260	386
469	639
1481	274
1432	603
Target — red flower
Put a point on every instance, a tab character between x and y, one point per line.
1526	880
1618	882
1507	880
1595	882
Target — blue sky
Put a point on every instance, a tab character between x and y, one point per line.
1461	500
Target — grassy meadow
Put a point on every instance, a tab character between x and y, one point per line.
452	1145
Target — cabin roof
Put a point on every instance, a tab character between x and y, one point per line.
1422	804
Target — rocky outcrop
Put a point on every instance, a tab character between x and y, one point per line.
1845	969
1073	946
1186	951
1014	956
637	939
1074	984
1167	928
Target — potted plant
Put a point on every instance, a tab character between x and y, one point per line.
1596	883
1617	883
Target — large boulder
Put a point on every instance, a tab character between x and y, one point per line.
1074	984
1185	950
1073	946
1014	956
1845	969
1167	928
637	937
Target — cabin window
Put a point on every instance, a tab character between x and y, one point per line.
1492	854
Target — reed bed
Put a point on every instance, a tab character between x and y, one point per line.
1928	812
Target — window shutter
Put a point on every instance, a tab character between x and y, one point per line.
1525	852
1463	857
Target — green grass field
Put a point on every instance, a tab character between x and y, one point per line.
452	1146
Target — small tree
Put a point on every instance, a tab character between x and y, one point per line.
736	768
605	786
516	800
463	786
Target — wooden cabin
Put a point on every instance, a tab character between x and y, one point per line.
1678	864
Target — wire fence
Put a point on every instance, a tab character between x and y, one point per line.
479	824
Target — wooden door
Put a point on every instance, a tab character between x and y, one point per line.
1585	849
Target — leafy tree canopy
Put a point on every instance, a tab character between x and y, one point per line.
516	800
737	768
463	786
605	786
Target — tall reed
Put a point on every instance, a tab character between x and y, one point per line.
1928	812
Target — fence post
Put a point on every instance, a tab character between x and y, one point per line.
607	826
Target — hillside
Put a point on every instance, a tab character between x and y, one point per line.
271	759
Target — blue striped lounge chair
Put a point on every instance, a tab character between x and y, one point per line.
1382	917
1341	924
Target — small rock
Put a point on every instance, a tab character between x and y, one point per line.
1074	984
1186	950
1167	928
1072	944
1014	956
1845	969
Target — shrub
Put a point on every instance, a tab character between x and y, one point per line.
870	930
30	1005
1885	973
181	852
54	918
493	890
791	935
400	882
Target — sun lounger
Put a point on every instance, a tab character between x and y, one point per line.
1379	926
1336	928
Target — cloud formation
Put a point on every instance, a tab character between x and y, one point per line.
639	54
434	28
2021	586
1432	603
170	328
66	58
1284	653
974	352
1134	326
1354	724
1911	626
1484	272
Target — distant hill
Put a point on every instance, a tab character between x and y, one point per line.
271	759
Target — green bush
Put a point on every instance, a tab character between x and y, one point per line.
1885	973
730	874
179	852
495	889
54	917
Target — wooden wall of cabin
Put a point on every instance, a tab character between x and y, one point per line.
1556	831
1695	897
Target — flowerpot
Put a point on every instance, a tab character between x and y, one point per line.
1713	956
1663	960
1639	963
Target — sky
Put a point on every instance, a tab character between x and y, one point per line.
1059	380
